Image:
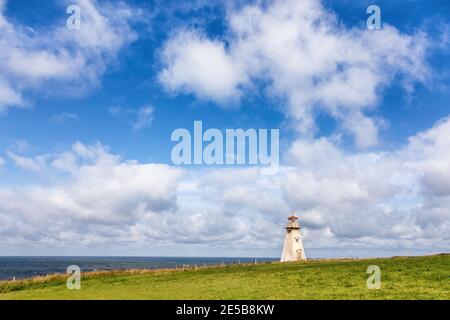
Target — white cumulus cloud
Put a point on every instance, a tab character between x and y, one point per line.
27	163
98	199
74	59
357	204
305	56
197	64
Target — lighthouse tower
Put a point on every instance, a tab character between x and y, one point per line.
293	245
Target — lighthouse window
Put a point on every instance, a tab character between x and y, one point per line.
296	239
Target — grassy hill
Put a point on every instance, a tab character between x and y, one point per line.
401	278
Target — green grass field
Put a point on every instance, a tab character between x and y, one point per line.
401	278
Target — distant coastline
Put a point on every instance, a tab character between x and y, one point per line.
21	267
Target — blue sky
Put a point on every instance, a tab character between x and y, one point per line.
136	58
132	83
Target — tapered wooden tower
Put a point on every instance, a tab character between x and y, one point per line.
293	245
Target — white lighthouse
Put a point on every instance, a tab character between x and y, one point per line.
293	245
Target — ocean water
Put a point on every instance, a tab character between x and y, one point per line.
25	267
